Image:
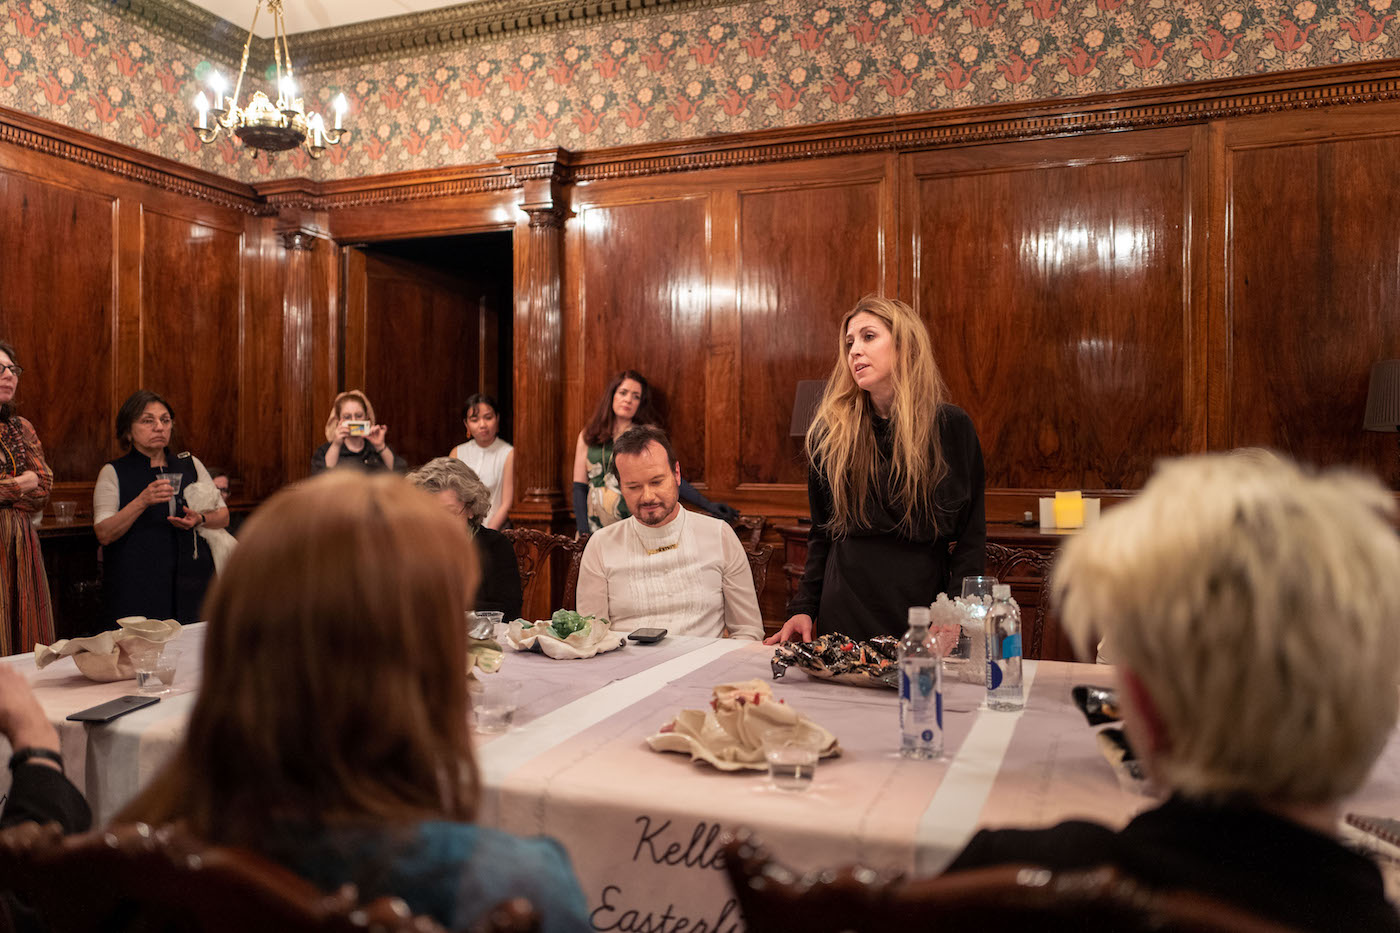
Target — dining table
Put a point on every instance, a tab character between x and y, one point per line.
644	828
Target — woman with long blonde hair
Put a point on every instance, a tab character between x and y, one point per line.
894	482
330	731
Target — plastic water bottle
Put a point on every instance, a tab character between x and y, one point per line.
920	690
1004	652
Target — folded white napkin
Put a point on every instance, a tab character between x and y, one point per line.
107	657
204	497
743	718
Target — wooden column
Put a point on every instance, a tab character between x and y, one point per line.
298	313
539	339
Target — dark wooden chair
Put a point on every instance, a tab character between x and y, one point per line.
136	878
759	555
1013	897
749	528
1024	568
536	550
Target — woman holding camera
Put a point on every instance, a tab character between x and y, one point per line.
151	566
354	438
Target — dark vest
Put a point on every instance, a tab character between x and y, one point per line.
152	570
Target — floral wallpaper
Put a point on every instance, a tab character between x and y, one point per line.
682	74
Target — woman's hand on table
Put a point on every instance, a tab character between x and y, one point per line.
191	519
798	628
22	719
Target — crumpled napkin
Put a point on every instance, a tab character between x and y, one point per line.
107	657
204	497
483	654
596	639
731	734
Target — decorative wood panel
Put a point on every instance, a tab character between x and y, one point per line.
1055	279
57	296
421	336
643	292
191	328
1313	290
806	255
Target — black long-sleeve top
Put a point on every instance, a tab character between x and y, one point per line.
863	583
500	575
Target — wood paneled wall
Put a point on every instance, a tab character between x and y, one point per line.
1107	282
110	283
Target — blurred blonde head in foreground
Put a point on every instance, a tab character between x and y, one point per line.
1253	609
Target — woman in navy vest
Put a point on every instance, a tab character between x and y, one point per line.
153	563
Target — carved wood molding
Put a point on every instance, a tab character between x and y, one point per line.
1140	109
392	37
72	145
305	195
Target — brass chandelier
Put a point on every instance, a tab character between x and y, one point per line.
263	125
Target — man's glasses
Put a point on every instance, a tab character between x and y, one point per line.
17	370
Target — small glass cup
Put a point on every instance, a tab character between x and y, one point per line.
65	512
174	479
491	623
166	667
978	587
494	702
146	660
792	759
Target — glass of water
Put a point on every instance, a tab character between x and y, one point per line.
978	588
494	702
147	660
174	479
792	759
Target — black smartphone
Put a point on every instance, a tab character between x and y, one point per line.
647	636
106	712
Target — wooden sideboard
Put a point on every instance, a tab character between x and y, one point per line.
1016	555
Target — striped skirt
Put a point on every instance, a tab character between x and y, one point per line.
26	612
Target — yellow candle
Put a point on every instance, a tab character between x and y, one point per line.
1069	510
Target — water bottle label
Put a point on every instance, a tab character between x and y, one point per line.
993	674
1011	646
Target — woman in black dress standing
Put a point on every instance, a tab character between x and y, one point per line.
895	484
154	564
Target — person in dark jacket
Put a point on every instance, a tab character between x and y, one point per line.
461	492
1250	608
39	791
154	564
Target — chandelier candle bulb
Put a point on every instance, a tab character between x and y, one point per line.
340	105
201	104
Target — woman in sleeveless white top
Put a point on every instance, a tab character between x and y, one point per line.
490	458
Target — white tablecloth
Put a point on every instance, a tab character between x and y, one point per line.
642	827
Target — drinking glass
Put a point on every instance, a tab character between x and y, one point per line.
978	587
491	624
174	480
63	512
494	702
146	660
792	757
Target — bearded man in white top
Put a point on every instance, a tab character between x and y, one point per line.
665	567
